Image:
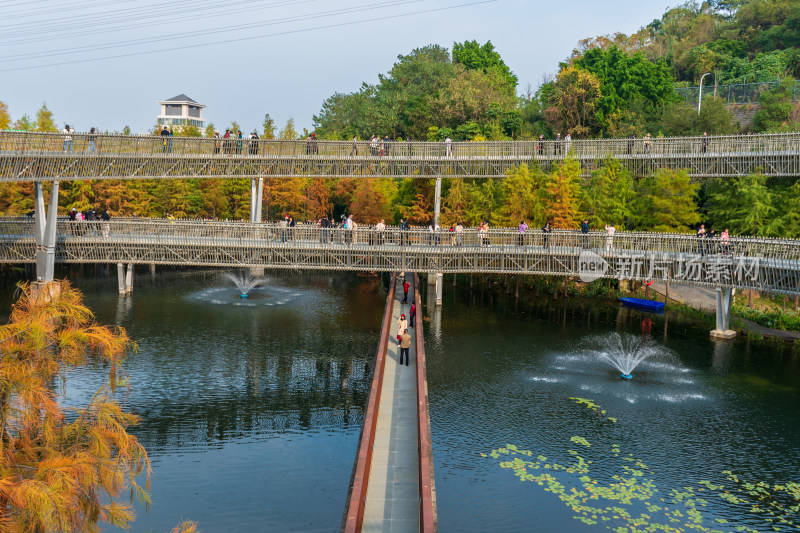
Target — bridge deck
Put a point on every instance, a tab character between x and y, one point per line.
45	157
393	501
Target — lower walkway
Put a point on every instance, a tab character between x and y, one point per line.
393	502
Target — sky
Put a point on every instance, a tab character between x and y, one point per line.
106	63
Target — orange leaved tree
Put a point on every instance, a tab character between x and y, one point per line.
62	469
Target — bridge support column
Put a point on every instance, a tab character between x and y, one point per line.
439	285
256	193
45	232
724	331
125	278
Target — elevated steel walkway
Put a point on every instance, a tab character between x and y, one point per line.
46	157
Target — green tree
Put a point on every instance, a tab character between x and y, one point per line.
209	132
5	116
775	108
744	205
44	120
485	202
667	202
485	59
268	127
289	132
23	123
608	195
522	192
126	130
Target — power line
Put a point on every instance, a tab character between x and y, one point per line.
241	39
186	35
93	31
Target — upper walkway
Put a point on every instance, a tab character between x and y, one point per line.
743	263
52	157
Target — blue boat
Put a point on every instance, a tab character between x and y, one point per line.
649	305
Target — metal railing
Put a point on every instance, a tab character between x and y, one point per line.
772	264
735	93
49	156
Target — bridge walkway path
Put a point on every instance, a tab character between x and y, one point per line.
393	502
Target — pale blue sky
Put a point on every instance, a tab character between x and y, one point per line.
287	74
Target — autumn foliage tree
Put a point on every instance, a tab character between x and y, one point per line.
62	469
562	193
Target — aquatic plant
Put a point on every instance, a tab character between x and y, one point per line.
631	502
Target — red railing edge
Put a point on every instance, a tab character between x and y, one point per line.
357	495
427	507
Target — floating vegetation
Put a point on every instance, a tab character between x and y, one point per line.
630	501
599	411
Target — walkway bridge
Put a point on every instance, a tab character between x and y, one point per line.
49	157
745	263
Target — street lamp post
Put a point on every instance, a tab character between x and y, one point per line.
700	95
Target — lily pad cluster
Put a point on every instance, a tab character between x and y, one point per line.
589	404
630	501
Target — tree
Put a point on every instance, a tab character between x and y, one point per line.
60	472
288	197
522	191
625	78
455	202
667	202
23	123
126	130
562	194
744	205
209	132
485	202
5	116
268	127
776	108
572	102
44	120
369	204
289	132
485	59
608	195
318	196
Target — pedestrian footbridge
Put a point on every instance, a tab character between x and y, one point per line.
49	157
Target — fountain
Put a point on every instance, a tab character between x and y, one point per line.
626	351
244	283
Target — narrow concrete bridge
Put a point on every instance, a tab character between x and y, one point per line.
51	157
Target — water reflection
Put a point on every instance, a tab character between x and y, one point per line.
503	371
267	400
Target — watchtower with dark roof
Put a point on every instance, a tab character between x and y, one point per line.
181	110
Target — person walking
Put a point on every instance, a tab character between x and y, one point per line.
483	230
380	229
540	145
164	136
402	326
354	150
567	143
239	142
67	131
412	314
459	233
557	144
547	229
404	228
406	286
523	228
610	230
704	142
405	344
701	234
217	143
448	146
631	141
647	143
585	233
253	145
724	242
91	140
